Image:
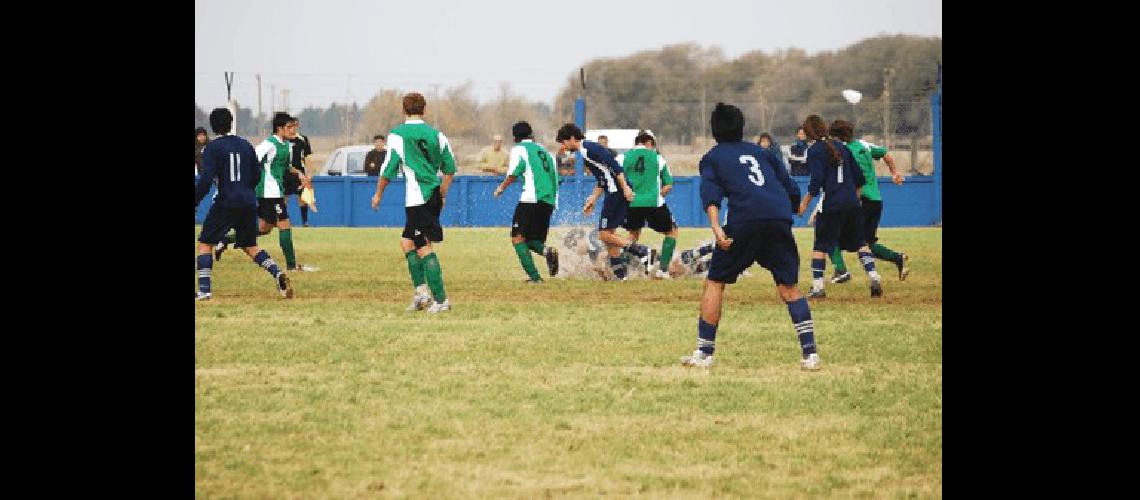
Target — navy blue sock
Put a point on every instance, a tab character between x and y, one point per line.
868	260
205	269
618	266
705	250
265	261
706	337
805	328
637	249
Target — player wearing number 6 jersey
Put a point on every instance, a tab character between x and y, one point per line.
759	230
534	165
232	161
421	152
835	174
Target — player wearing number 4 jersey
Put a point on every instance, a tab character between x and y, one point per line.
649	177
232	161
421	152
759	230
534	165
835	174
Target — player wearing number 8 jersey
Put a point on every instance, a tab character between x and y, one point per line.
531	222
759	230
233	162
421	152
835	173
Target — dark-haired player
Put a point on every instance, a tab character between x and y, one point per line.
611	181
232	161
649	177
533	164
759	230
835	173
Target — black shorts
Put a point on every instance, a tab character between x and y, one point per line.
272	210
614	208
659	219
219	221
843	227
532	220
872	212
766	242
292	184
422	222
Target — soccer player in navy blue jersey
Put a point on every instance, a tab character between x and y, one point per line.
611	181
232	161
761	197
835	173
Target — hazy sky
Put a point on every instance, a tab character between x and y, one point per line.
343	50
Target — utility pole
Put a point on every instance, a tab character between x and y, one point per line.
888	73
230	101
272	99
259	119
285	100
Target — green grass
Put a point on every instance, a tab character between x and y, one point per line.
572	388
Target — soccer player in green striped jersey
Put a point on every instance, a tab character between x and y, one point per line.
871	200
648	176
531	222
421	152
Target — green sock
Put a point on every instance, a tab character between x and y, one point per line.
837	260
536	246
884	253
527	261
285	236
667	252
415	268
434	276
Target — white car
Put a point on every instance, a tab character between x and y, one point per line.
347	159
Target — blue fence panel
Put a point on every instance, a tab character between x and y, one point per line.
347	201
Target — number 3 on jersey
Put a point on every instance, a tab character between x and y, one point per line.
756	176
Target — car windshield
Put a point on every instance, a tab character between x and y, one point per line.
355	162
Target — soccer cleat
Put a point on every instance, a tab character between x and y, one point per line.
649	260
876	288
284	286
698	360
662	275
302	268
901	263
817	294
419	302
203	296
305	224
841	278
438	307
811	362
551	255
218	249
534	282
687	257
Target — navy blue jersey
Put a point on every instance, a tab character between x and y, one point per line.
602	164
232	160
838	183
755	182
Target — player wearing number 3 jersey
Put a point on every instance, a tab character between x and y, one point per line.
759	230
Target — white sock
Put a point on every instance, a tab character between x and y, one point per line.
817	284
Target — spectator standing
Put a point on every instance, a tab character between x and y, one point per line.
375	158
200	141
493	160
301	150
798	158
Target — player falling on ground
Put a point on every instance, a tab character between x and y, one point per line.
759	230
531	221
275	156
611	181
421	152
233	162
835	174
649	177
871	200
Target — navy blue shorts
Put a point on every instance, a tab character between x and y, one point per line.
219	221
766	242
843	227
614	208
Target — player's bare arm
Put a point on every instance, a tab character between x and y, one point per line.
588	208
380	186
443	188
804	204
896	177
503	185
722	240
625	187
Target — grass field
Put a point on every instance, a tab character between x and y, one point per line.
572	388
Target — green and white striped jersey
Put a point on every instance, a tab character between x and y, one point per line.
646	172
275	156
422	152
534	165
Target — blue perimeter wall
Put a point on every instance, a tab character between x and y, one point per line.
346	201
